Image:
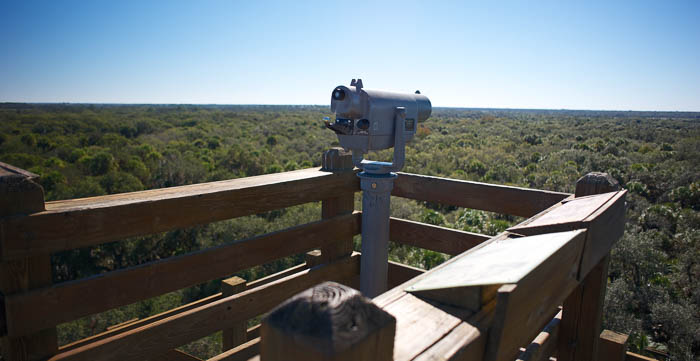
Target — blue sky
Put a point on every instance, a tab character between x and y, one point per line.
620	55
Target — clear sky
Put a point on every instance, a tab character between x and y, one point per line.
622	55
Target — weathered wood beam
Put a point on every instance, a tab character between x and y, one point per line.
338	161
523	309
473	278
487	197
140	323
434	238
545	344
91	221
237	333
613	346
583	308
166	334
399	273
242	352
64	302
19	197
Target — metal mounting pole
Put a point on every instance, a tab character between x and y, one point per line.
376	193
376	182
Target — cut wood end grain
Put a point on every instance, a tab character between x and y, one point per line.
328	321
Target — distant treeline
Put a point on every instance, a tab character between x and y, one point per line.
82	150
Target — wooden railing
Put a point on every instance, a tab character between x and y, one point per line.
31	230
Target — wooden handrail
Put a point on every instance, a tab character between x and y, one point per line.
515	201
161	336
425	328
49	306
434	238
91	221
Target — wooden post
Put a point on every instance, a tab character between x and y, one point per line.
328	322
582	314
337	160
612	347
236	335
19	195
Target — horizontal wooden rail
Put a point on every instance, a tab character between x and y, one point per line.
544	345
434	238
46	307
631	356
399	273
515	201
86	222
242	352
253	332
139	323
161	336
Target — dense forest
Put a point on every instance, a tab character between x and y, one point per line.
654	281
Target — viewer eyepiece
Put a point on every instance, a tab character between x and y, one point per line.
338	94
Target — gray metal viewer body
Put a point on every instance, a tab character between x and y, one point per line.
373	120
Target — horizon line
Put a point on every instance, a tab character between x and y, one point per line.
322	105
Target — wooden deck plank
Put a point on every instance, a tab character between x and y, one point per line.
45	307
163	335
418	325
90	221
434	238
488	197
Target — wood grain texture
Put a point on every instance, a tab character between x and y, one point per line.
582	316
341	246
570	215
340	161
237	334
473	280
524	309
605	227
602	215
64	302
86	222
419	324
327	322
399	273
278	275
488	197
241	352
583	308
166	334
613	346
434	238
464	342
140	323
20	196
545	344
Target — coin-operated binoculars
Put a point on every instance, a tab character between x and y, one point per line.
367	120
